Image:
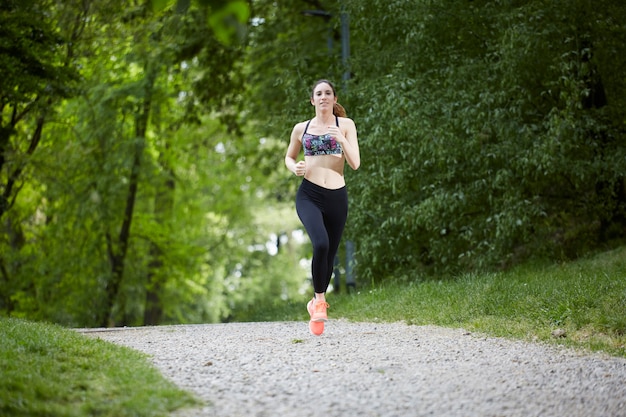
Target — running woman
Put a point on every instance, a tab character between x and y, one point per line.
329	140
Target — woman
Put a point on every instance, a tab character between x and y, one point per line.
329	141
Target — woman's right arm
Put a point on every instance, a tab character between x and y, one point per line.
298	168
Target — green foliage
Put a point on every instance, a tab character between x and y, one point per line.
490	132
288	51
48	371
225	17
141	154
36	75
156	112
266	279
31	62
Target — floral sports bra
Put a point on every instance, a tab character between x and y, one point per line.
320	144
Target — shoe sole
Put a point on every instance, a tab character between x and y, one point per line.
316	327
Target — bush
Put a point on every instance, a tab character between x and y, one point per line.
494	135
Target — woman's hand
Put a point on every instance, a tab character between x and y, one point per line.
336	133
299	168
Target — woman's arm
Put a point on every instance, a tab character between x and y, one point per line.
298	168
347	136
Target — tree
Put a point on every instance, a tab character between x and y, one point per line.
486	131
37	72
156	47
107	182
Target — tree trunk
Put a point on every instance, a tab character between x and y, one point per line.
117	249
164	206
14	231
15	174
153	309
163	209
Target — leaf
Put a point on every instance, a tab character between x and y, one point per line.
159	5
228	20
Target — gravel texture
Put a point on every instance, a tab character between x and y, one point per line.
375	369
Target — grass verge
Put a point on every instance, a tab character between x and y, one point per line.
586	299
50	371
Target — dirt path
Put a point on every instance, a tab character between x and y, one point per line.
364	369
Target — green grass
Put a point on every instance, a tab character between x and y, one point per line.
46	370
586	298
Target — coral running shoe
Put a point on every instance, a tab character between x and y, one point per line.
315	327
319	311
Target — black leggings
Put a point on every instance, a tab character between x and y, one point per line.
323	213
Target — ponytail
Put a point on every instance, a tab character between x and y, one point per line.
339	111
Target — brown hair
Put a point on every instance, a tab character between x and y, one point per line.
338	109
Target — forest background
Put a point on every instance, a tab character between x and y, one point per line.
142	144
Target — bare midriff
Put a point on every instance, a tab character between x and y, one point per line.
325	170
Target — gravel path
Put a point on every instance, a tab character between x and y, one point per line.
373	369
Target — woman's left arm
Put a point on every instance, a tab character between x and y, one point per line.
347	136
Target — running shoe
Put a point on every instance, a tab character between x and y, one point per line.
319	311
315	327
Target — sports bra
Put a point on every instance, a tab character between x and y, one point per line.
320	144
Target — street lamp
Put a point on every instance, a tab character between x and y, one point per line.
345	46
345	39
326	16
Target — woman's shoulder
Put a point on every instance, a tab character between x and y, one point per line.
346	121
298	128
301	124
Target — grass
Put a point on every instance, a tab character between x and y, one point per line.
586	298
50	371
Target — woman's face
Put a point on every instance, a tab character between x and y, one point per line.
323	96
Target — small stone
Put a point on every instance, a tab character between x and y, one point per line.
559	333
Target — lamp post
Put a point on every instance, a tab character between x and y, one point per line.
345	47
326	16
345	39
